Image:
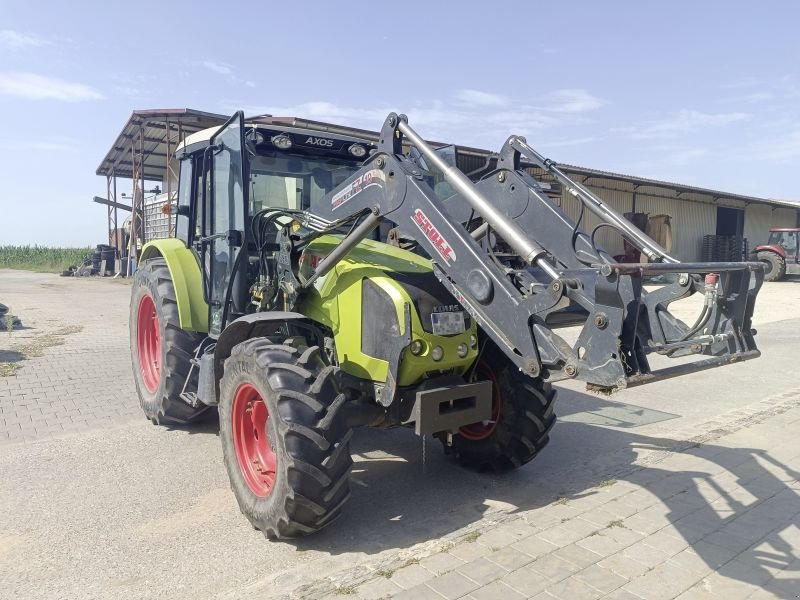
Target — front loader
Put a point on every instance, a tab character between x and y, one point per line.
322	281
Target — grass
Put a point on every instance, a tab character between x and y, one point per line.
346	590
35	346
41	258
617	523
472	536
8	369
68	330
9	321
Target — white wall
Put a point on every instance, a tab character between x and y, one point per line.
693	215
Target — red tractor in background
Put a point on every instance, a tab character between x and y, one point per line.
781	254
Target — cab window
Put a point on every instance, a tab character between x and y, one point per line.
786	239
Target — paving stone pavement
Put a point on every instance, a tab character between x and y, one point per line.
707	511
83	382
715	515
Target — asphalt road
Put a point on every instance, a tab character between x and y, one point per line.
135	511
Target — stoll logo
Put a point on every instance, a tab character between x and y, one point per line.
429	229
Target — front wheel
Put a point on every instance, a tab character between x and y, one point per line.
522	417
774	265
285	442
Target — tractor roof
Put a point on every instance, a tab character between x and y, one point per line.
290	125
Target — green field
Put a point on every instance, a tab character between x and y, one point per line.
41	258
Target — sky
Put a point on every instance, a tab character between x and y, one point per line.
701	93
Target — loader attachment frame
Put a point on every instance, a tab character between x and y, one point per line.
552	274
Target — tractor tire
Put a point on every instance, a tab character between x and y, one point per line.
160	350
775	265
522	417
285	442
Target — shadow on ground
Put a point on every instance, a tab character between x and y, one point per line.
395	504
786	279
10	356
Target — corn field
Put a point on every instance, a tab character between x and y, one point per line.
41	258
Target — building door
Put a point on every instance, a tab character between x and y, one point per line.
730	221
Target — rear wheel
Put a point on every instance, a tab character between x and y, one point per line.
284	439
774	265
160	350
522	417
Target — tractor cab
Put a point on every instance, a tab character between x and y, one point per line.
788	240
231	176
781	254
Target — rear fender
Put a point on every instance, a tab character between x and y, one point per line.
771	248
186	278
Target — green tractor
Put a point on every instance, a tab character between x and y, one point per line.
322	280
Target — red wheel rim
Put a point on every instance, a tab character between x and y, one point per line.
148	343
249	419
482	430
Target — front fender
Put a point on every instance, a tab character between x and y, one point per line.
187	280
249	326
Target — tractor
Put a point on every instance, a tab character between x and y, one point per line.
781	253
322	280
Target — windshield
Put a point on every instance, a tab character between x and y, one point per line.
786	239
294	182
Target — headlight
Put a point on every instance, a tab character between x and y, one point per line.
462	350
417	347
282	142
437	353
357	150
473	341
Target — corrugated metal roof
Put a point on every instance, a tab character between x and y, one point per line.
150	132
678	187
152	126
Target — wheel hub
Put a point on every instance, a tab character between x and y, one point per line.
249	420
483	429
148	343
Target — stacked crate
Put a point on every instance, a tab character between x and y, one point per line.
724	248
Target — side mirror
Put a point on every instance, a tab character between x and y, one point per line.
176	209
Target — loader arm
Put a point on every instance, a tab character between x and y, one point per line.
556	276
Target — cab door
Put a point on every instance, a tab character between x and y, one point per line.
225	240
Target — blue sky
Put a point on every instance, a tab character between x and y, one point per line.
704	93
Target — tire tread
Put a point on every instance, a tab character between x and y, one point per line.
317	462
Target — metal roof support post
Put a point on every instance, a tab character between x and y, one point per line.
181	137
142	210
132	236
168	185
117	241
111	231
